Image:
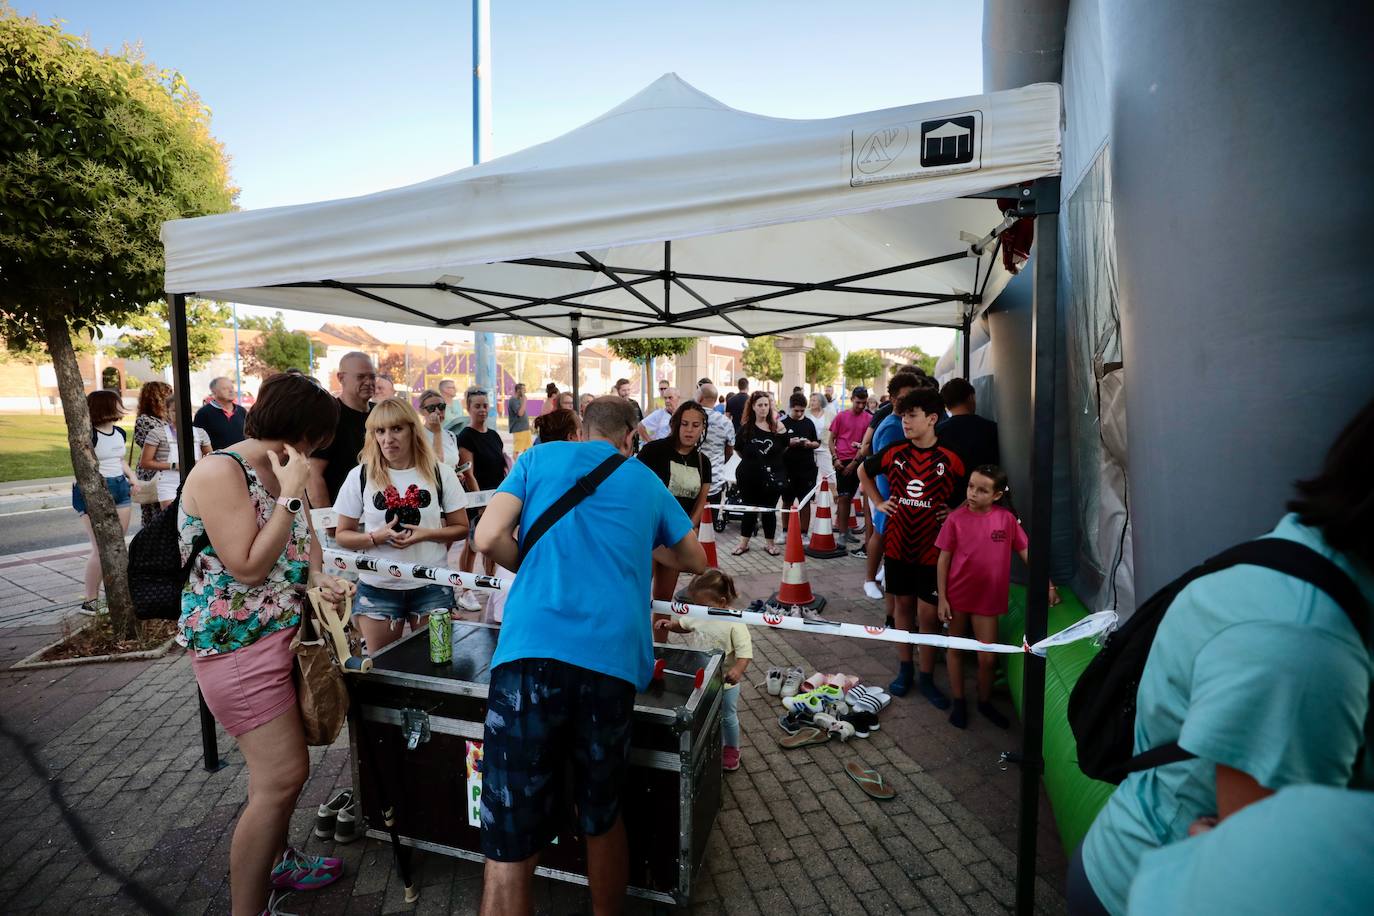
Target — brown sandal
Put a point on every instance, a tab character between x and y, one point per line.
740	550
772	549
871	781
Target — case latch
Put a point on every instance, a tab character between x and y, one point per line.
414	727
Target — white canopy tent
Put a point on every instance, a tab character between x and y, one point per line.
671	214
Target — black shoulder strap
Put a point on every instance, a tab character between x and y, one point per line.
1291	559
202	540
439	485
584	487
362	484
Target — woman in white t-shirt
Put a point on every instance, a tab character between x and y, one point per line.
400	503
820	417
108	443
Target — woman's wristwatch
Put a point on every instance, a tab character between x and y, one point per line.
291	504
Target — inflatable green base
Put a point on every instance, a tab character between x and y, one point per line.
1076	798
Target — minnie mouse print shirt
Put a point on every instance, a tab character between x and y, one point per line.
409	499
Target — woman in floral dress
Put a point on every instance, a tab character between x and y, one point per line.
241	606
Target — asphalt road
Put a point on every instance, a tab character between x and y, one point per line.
21	532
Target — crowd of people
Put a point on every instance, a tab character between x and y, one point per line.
938	555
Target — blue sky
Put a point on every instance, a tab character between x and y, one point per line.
318	100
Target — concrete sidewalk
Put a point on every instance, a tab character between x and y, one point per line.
106	757
30	495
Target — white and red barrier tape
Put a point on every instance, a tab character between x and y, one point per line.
1090	627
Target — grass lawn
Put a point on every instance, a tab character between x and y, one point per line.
33	446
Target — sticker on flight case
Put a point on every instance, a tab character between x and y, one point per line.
474	771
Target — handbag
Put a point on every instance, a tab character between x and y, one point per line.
320	690
144	492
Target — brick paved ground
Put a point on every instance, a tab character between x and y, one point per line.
101	780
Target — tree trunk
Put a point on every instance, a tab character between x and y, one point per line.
109	534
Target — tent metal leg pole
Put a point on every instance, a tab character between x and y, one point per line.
968	326
186	458
1044	329
576	385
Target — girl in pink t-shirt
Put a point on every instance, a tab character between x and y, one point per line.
973	576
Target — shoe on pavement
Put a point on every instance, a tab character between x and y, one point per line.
859	721
860	554
871	590
791	683
729	759
468	601
299	872
346	828
328	813
774	681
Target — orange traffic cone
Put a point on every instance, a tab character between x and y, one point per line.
856	516
823	544
706	536
795	590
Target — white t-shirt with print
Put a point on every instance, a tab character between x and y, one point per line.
409	497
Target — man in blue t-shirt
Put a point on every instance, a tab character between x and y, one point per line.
576	643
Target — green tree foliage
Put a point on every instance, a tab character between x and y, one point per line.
923	359
149	334
278	349
762	359
97	150
32	352
862	366
643	349
822	361
254	323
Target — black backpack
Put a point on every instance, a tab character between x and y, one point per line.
1102	706
156	574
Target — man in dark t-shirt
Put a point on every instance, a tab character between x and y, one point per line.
972	436
735	403
221	418
329	466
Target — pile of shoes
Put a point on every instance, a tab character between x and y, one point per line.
824	706
338	818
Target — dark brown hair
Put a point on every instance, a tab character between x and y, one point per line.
1340	500
293	408
752	421
927	400
675	423
559	425
152	400
105	406
902	380
956	392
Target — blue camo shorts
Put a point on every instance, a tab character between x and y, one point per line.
542	715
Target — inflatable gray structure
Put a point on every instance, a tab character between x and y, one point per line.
1215	330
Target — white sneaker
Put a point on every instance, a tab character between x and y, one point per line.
468	601
871	590
882	572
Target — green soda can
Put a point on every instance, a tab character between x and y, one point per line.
440	637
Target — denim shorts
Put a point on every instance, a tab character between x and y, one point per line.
544	717
399	603
119	491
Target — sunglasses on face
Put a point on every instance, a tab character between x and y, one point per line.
432	408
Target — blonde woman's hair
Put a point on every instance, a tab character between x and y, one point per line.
397	412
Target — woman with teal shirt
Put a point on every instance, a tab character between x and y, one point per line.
1262	676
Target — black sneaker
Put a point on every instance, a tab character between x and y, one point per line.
860	722
860	554
326	818
794	722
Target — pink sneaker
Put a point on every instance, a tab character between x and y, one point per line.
729	759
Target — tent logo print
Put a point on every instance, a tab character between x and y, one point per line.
947	141
881	149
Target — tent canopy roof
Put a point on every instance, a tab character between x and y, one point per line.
671	214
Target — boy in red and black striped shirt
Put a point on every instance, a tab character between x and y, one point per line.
926	479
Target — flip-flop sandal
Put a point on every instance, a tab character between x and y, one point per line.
871	781
804	737
739	551
772	550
